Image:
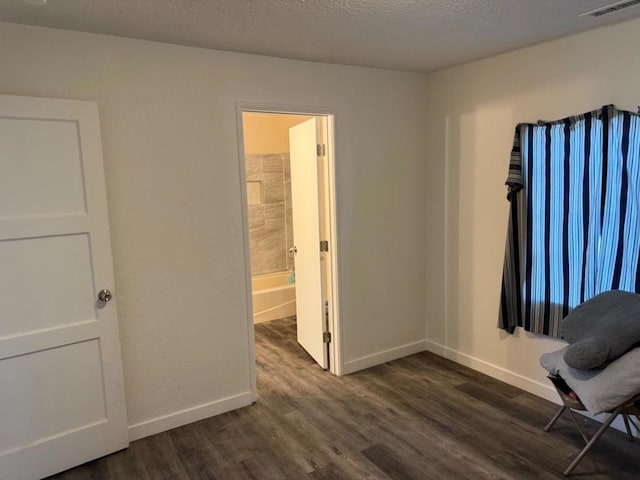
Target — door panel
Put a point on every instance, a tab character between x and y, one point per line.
61	382
29	187
306	235
62	393
56	271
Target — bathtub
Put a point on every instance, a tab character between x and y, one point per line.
273	297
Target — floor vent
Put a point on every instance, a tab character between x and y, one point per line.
607	9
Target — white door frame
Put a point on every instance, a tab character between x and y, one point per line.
335	351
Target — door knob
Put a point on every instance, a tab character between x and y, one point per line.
104	295
293	250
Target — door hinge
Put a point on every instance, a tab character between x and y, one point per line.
324	245
321	148
326	337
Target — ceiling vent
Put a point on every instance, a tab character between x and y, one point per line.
607	9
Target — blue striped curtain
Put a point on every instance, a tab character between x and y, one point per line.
574	224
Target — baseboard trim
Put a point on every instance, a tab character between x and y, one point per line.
525	383
188	415
383	356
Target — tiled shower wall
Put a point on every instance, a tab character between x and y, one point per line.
270	221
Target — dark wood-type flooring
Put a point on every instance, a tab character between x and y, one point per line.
420	417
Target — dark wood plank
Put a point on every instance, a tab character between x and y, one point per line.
420	417
392	464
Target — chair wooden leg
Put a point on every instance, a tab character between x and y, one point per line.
592	442
628	428
577	424
573	417
554	419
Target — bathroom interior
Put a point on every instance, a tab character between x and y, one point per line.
268	184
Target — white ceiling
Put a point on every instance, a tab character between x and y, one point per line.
415	35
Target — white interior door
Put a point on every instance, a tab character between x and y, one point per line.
61	388
306	236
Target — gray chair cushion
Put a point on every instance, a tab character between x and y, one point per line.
601	329
600	390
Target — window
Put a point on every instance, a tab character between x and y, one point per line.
574	224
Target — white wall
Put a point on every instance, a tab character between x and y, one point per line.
473	110
171	160
168	116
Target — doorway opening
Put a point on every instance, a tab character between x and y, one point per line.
288	178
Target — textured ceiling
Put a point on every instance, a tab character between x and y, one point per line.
416	35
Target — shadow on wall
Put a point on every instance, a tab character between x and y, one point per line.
476	215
